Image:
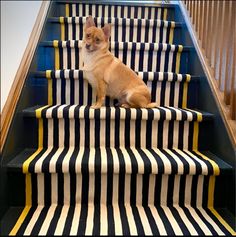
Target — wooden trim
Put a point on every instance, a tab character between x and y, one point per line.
225	110
16	88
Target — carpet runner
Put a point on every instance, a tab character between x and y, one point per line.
118	171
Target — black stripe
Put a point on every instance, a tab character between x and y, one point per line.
40	220
54	221
151	221
72	88
124	220
26	221
138	221
69	220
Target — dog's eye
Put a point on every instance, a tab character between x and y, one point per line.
97	40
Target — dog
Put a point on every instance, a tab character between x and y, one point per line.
107	74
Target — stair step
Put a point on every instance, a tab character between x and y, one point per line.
119	9
114	220
146	76
122	29
167	89
119	160
157	57
86	112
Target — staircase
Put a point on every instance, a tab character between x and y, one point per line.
74	170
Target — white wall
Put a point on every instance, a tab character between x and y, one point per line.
17	21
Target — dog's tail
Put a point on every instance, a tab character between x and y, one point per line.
152	105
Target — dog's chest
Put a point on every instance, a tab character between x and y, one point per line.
89	76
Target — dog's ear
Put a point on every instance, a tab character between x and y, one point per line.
107	31
89	22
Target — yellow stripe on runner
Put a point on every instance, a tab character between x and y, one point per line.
172	32
165	14
178	58
210	205
40	140
62	28
185	94
67	10
28	204
55	45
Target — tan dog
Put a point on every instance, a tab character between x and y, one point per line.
107	74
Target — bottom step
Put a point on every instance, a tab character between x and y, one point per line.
112	220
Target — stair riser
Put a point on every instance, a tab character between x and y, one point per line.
111	189
122	30
118	133
116	11
149	59
80	92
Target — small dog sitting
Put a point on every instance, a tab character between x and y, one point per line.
107	74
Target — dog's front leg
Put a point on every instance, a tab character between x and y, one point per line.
101	94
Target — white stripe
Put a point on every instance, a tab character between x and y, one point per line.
40	187
130	218
47	220
214	225
151	190
75	222
66	189
54	159
66	160
164	190
158	220
192	166
50	132
65	57
178	161
117	220
115	193
112	128
62	220
172	220
139	189
79	160
89	220
91	164
76	88
163	55
164	34
176	134
201	224
104	220
167	164
69	31
199	191
145	223
143	24
176	190
152	160
119	11
167	94
103	160
165	133
127	188
54	188
186	135
128	163
139	160
203	164
78	194
74	10
122	127
186	221
91	188
115	160
33	220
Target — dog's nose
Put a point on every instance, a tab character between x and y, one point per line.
87	46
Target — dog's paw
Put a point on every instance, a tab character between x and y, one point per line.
96	106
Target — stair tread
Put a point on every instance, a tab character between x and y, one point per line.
147	76
120	45
86	112
115	220
119	160
114	20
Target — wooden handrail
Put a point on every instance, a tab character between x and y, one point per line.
214	26
16	88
